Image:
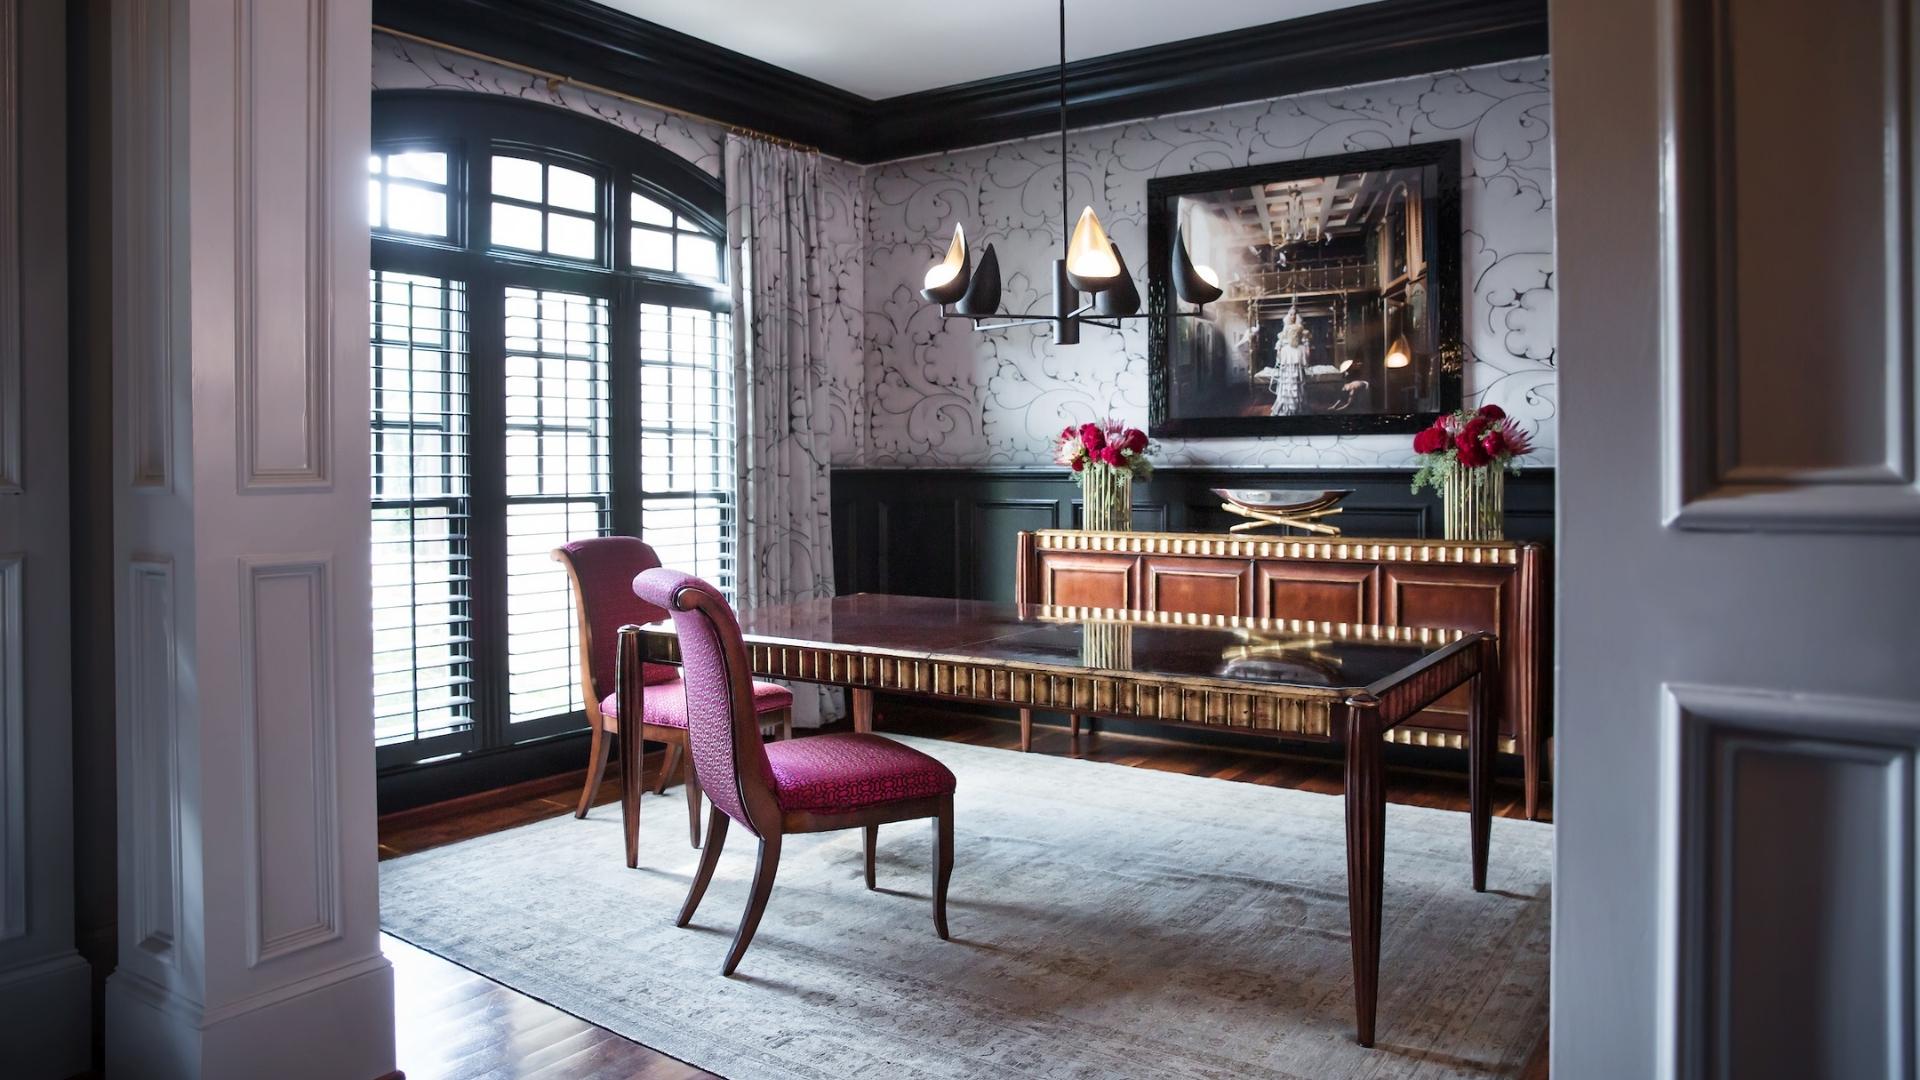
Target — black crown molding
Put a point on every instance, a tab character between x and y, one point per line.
584	40
596	44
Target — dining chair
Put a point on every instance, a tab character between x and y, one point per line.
821	783
602	570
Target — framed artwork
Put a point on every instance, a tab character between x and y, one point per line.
1341	304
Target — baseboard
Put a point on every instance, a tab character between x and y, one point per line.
568	783
46	1018
335	1024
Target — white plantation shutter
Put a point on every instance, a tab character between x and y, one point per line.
558	484
687	440
422	606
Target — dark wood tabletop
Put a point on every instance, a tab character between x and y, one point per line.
1341	682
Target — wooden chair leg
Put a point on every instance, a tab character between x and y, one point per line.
597	752
786	725
667	768
692	781
1026	730
763	871
942	864
873	839
716	839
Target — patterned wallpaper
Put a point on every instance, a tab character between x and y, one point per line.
945	395
908	391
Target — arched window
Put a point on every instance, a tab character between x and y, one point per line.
551	360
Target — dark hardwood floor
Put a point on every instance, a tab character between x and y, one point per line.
456	1025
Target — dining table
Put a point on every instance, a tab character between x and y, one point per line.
1342	683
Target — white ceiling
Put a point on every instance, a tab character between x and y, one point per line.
880	48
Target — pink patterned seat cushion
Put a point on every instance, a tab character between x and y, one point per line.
666	702
841	772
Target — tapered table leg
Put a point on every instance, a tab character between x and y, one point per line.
1366	798
1480	737
862	709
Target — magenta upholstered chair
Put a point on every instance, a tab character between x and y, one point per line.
602	570
816	784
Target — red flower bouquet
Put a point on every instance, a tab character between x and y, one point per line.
1464	455
1105	445
1105	458
1469	439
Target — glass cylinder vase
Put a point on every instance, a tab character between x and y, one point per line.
1473	501
1107	499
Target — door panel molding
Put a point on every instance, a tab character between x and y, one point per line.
13	748
12	330
1763	792
284	279
292	840
1767	360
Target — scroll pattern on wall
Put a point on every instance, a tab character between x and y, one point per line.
946	395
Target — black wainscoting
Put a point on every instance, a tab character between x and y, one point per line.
950	532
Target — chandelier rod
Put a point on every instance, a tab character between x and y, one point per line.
1066	221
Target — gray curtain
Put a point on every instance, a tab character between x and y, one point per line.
780	377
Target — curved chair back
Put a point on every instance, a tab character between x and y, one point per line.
602	570
723	734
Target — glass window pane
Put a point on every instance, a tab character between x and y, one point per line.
422	657
571	236
416	210
373	203
686	439
653	250
516	227
430	166
699	256
650	212
373	163
516	178
572	190
688	224
558	482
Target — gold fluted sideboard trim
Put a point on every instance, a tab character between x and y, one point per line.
1220	546
1421	635
1442	739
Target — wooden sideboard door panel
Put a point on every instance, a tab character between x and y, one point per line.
1325	592
1458	598
1198	586
1090	580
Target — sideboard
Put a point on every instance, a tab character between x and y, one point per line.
1498	586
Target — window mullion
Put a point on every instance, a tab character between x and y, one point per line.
624	407
489	504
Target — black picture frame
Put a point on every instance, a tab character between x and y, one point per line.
1430	305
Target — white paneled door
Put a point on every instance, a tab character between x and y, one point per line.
44	985
248	923
1739	718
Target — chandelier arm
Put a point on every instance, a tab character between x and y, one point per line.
980	323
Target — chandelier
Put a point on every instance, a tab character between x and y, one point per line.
1092	264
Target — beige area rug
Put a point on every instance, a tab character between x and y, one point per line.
1107	922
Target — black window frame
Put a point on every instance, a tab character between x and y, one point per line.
471	128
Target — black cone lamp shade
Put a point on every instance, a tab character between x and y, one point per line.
947	280
1123	298
1194	284
983	291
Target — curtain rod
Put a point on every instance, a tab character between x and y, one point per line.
555	80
